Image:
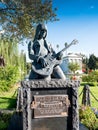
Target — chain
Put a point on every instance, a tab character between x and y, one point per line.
94	96
81	93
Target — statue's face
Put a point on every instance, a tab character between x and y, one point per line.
42	33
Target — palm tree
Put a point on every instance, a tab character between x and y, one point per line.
57	46
66	46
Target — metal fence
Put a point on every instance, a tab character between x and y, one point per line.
86	100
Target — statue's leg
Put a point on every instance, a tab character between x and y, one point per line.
58	73
47	78
33	75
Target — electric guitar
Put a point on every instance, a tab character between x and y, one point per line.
52	61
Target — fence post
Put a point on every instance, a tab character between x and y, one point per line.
86	96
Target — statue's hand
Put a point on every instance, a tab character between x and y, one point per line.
59	56
43	62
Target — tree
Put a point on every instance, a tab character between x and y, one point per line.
85	61
19	17
9	51
23	64
92	62
2	62
97	63
73	67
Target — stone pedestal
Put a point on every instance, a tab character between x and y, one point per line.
50	105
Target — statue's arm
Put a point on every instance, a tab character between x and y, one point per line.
31	52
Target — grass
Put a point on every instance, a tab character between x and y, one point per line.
94	90
8	99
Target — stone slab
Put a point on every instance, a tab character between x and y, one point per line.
34	88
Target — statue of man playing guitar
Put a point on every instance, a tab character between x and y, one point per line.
45	62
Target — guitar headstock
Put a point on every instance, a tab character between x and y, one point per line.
75	41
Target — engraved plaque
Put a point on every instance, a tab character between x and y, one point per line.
50	106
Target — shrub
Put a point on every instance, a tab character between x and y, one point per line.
91	77
8	76
89	83
88	78
88	118
4	120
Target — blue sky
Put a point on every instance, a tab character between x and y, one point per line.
78	20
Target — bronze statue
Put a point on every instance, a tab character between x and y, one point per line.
45	61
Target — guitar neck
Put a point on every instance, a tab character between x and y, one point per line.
66	47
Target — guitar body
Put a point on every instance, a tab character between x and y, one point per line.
46	71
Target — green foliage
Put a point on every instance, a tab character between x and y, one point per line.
23	64
19	17
8	99
88	78
8	76
73	67
88	118
4	120
15	64
89	83
92	62
9	50
91	77
85	68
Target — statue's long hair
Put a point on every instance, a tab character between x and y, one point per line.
38	31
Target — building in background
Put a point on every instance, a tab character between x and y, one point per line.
71	58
